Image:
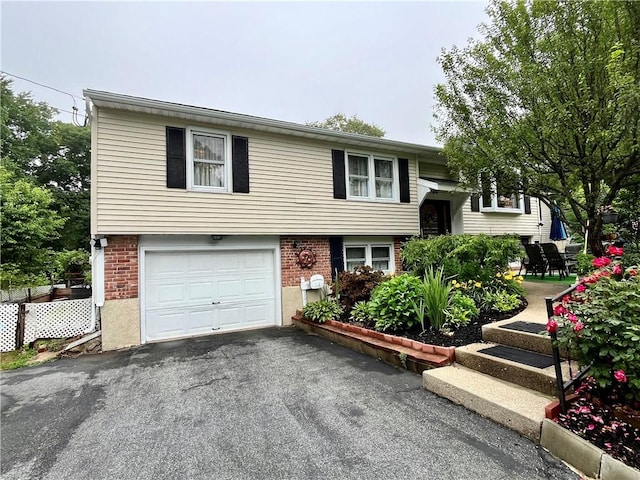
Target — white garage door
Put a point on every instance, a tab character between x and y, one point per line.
194	293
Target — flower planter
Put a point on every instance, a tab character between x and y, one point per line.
398	351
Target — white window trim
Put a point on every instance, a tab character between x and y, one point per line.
494	208
368	246
227	160
395	184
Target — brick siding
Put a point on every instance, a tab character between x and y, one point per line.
291	271
121	267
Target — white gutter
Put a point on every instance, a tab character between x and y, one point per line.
189	112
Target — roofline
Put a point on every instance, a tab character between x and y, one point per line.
147	105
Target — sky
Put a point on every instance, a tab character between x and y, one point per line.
291	61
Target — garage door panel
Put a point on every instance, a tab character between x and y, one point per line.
172	265
191	293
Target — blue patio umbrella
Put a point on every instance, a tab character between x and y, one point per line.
558	232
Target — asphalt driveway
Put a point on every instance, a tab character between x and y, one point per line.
264	404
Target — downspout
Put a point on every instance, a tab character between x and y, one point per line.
97	282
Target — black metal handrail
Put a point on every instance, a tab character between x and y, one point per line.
561	385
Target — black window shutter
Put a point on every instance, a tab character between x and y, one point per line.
337	258
240	164
339	183
527	204
403	170
176	158
475	202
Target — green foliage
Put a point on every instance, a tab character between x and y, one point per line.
583	263
74	261
16	359
545	102
462	309
502	301
606	329
436	297
356	286
341	123
321	311
465	257
392	302
360	312
52	155
28	225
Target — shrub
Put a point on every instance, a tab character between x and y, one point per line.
583	263
357	286
360	312
466	257
392	301
502	301
600	324
321	311
462	309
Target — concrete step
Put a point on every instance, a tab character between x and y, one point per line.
511	332
513	406
541	378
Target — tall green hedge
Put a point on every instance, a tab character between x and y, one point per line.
465	257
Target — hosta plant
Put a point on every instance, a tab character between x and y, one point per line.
392	301
321	311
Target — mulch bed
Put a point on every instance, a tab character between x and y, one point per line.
609	424
470	333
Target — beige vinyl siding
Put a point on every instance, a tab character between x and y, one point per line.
496	223
434	170
291	187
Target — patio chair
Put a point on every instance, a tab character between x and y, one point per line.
534	262
571	252
555	261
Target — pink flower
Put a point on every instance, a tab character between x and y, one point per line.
578	327
601	262
559	310
591	279
617	269
583	409
566	298
591	426
620	376
552	326
580	288
573	318
615	251
633	272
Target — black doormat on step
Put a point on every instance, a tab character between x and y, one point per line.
525	357
528	327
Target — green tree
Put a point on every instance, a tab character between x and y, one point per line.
28	225
54	155
548	102
341	123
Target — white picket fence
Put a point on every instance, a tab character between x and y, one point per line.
61	319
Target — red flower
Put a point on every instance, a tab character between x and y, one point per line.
552	326
580	288
617	269
573	318
601	262
578	326
566	298
559	310
620	376
633	272
615	251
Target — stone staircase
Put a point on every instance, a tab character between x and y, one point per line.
511	378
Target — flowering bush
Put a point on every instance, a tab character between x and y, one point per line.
599	322
502	293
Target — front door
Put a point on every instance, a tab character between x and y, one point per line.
435	218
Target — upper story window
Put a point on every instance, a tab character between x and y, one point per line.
497	197
208	160
371	177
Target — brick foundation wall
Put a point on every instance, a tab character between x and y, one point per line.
291	271
121	267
